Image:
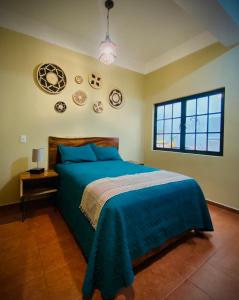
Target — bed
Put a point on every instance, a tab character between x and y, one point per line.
131	224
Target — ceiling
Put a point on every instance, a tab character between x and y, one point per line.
149	33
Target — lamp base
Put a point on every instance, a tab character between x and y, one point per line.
36	170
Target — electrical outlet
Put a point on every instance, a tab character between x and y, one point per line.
23	139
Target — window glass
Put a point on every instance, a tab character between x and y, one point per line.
202	123
160	140
176	125
215	103
176	141
160	112
190	124
190	142
168	126
214	123
167	141
160	125
191	107
201	142
177	110
202	104
168	111
213	142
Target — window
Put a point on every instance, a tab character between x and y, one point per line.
191	124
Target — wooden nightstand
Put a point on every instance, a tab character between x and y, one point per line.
37	185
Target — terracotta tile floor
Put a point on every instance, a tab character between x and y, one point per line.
40	260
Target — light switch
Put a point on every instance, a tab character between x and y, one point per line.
23	139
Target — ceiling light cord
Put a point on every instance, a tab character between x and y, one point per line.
108	25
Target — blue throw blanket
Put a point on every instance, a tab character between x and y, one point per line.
130	225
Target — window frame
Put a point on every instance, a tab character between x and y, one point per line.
182	133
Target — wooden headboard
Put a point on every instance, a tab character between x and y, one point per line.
53	142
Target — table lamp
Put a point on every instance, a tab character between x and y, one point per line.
37	156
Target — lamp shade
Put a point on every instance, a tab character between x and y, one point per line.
38	155
107	51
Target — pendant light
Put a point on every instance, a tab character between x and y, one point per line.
107	49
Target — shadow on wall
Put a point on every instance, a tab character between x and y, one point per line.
9	193
170	74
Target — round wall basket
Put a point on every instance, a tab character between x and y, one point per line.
60	106
98	107
116	99
78	79
51	78
95	80
79	97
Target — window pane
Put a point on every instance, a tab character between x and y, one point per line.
167	141
215	103
176	141
190	142
168	126
201	142
202	124
159	142
160	112
191	107
214	142
202	105
190	124
160	126
214	123
176	125
168	111
177	110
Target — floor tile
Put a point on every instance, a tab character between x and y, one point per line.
226	259
217	285
188	291
18	246
13	229
157	280
59	253
20	269
45	230
33	290
65	282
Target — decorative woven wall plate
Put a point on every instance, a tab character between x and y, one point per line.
51	78
78	79
98	107
79	97
95	80
60	106
116	99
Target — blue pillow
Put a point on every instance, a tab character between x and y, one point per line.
76	154
106	153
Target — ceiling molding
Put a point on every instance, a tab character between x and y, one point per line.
197	43
215	18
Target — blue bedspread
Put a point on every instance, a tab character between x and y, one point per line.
130	225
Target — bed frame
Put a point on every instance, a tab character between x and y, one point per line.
53	142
